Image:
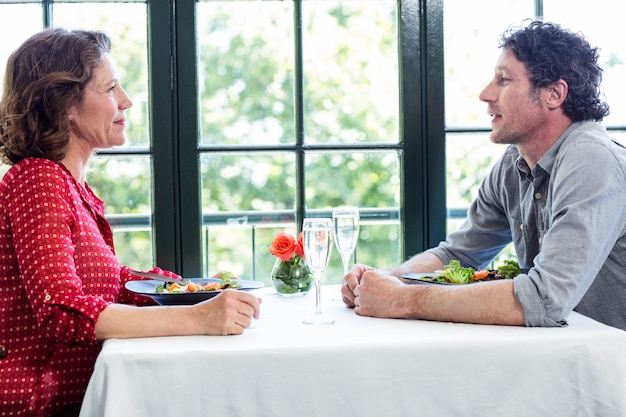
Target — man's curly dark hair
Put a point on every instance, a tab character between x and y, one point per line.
551	53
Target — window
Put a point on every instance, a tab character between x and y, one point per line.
123	177
298	112
250	115
470	55
296	109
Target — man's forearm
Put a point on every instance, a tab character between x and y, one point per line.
492	302
422	262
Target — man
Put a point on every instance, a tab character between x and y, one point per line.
558	193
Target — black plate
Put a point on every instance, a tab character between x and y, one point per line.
429	278
148	288
426	278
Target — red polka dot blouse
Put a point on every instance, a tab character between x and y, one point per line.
58	271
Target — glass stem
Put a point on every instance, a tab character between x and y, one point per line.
345	258
318	294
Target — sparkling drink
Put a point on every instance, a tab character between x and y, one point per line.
317	240
346	225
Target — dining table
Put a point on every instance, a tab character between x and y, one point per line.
363	366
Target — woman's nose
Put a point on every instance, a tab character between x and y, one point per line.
125	101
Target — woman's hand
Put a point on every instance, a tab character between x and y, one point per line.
227	313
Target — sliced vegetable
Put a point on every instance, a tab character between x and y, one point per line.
212	286
482	274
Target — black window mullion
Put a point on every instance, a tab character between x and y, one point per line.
47	13
434	167
423	211
412	211
299	116
188	178
162	129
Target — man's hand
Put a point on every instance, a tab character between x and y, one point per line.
379	295
351	281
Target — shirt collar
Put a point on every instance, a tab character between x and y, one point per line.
546	162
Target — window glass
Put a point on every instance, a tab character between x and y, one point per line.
250	94
12	35
606	31
350	53
126	24
245	182
369	180
245	72
364	179
245	198
471	38
242	247
472	153
470	156
123	182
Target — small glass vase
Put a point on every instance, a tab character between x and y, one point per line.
292	278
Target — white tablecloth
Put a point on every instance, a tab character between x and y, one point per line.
364	367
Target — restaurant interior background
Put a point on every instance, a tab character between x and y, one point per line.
251	115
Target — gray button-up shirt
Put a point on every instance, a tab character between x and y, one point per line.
567	220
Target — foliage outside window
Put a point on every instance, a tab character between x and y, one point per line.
295	119
248	90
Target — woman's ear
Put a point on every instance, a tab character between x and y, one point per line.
557	92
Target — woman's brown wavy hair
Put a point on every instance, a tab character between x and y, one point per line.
44	78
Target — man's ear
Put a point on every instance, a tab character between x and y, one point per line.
557	92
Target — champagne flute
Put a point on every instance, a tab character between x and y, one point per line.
317	240
346	222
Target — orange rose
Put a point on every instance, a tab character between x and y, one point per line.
283	246
300	247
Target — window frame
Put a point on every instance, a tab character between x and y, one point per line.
421	145
177	220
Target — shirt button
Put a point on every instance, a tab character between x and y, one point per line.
537	196
48	297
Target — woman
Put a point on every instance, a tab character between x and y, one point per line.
61	286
